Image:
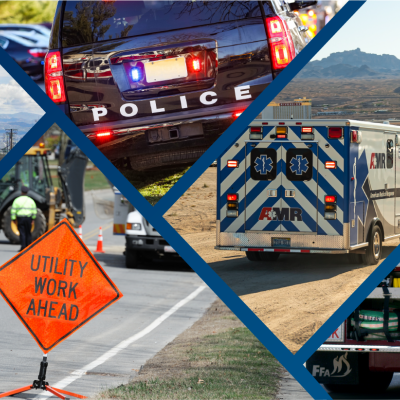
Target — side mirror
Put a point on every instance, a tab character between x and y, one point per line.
297	5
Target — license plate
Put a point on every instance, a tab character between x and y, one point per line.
280	242
169	249
165	70
338	335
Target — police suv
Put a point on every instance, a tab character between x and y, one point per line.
310	186
157	82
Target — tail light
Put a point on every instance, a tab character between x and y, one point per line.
306	129
330	164
281	132
335	133
280	42
37	52
53	77
330	199
330	207
232	206
256	133
237	114
307	132
233	164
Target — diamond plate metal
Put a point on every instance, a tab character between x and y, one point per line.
261	239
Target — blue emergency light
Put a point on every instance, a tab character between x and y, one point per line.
135	74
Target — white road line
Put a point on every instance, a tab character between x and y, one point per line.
122	345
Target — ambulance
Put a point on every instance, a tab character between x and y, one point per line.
310	186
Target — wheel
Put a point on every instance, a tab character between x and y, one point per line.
370	382
374	249
355	258
253	255
131	258
10	227
268	256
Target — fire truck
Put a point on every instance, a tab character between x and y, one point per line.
364	352
310	186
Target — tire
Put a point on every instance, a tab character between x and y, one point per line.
131	258
10	228
268	256
374	249
355	258
253	256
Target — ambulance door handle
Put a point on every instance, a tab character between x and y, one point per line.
289	193
272	193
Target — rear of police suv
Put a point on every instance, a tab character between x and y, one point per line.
157	82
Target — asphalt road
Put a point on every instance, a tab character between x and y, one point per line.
150	315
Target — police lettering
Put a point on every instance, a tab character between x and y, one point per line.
207	98
54	297
281	214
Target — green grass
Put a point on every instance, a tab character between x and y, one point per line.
154	184
94	179
229	365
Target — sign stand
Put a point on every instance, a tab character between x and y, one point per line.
41	383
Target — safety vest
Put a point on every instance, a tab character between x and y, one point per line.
23	206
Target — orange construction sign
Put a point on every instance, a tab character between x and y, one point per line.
55	286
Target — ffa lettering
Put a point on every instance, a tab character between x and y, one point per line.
281	214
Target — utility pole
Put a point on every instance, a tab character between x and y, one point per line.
10	136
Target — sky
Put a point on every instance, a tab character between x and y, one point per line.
13	98
374	28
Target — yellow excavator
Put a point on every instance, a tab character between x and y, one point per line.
54	202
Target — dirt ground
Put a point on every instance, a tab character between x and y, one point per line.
293	296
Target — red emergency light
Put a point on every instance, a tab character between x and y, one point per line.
196	64
330	164
233	164
335	132
306	129
255	129
232	197
103	134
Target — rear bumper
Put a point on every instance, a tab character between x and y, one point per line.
291	250
131	139
360	348
148	243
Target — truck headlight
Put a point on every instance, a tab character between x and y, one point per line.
133	226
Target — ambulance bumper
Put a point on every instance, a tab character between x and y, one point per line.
275	250
360	348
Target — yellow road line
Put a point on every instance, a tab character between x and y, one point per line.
95	232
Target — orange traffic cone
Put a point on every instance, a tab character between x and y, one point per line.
99	248
80	232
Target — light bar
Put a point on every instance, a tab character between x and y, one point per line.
103	134
233	164
330	164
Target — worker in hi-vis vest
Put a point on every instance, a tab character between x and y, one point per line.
24	211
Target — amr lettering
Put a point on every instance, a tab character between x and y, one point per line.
378	161
281	214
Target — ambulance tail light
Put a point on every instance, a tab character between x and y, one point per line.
307	133
281	132
237	114
335	132
232	205
233	164
53	77
330	207
280	42
355	136
330	164
256	133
